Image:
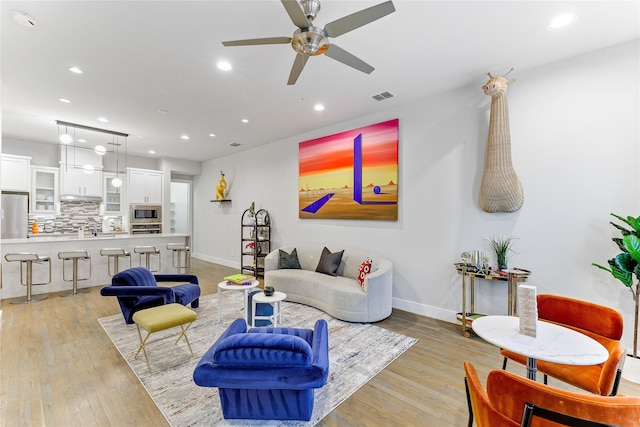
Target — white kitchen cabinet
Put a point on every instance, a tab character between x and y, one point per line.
145	186
44	189
76	182
16	173
113	196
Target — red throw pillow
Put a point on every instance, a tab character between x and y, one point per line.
364	269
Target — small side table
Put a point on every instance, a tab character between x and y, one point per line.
224	286
274	300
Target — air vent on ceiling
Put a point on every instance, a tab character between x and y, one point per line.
382	96
234	144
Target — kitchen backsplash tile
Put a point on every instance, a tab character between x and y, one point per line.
74	215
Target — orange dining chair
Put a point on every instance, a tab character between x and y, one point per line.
601	323
505	399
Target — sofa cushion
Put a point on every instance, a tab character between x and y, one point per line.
289	260
329	262
365	268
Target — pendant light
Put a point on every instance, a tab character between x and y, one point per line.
117	182
66	138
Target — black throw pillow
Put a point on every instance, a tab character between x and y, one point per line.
329	262
289	261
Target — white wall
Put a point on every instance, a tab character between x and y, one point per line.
575	147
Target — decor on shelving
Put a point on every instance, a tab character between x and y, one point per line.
500	189
626	264
222	185
350	175
502	245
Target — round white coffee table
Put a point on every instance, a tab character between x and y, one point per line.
274	300
224	286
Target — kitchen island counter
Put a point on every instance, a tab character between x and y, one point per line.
49	244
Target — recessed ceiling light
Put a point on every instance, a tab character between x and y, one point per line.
163	111
234	144
23	18
185	137
318	107
561	21
103	119
152	152
75	70
245	120
82	140
140	136
212	135
65	100
224	65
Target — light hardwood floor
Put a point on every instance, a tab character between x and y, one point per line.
59	368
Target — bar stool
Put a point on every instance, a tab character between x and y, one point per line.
114	255
179	251
27	259
75	257
147	251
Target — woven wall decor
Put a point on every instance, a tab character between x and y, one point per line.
500	190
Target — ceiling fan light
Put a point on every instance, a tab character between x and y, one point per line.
311	42
65	138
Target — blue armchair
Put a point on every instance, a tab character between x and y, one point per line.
137	288
266	373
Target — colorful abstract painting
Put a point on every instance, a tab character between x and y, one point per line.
351	175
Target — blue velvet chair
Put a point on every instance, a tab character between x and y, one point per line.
266	373
137	288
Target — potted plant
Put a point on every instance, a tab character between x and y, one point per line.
269	290
502	244
251	216
626	264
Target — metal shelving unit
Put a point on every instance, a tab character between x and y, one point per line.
255	241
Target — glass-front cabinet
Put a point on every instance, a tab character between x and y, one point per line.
113	200
44	191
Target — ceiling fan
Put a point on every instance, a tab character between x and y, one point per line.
308	40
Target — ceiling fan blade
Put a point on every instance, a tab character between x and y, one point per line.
298	65
251	42
358	19
341	55
296	14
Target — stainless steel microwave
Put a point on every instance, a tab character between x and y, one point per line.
144	214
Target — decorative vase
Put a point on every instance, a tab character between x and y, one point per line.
269	291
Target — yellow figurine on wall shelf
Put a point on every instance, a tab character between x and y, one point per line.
222	184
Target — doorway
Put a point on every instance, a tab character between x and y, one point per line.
180	220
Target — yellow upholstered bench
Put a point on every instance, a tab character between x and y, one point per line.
160	318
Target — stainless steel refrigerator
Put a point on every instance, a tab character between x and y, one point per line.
15	215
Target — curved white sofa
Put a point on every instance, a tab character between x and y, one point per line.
340	296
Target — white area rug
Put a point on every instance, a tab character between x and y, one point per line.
357	352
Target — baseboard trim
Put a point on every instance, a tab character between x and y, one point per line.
425	310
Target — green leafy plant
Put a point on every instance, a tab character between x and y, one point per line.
502	245
627	264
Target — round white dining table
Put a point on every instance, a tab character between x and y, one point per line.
552	343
